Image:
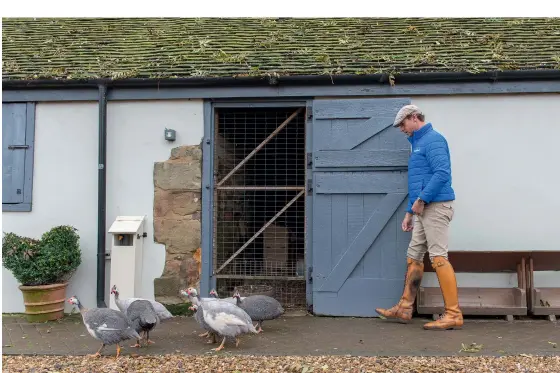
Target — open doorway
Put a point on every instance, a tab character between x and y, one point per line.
259	201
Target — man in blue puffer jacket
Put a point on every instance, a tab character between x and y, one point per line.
430	205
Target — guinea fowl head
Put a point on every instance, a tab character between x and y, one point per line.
114	290
237	295
74	300
214	293
189	292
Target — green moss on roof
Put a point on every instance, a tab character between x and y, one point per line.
211	47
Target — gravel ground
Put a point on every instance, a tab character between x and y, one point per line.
302	364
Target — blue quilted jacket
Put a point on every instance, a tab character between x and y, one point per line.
429	167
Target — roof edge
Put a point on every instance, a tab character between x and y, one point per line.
297	80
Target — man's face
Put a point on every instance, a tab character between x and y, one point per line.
408	125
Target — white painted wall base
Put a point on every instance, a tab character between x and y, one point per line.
65	180
503	157
64	192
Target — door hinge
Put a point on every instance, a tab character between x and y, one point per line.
310	274
12	147
310	185
309	159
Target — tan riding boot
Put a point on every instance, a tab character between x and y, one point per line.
452	318
402	311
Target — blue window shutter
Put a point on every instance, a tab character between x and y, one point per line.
17	155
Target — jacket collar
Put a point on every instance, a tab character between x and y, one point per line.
417	135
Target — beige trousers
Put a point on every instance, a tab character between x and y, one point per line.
431	231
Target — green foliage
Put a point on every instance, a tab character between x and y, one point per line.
181	309
169	48
52	259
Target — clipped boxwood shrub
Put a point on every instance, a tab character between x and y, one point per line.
52	259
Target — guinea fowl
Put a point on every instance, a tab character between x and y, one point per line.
195	300
107	325
123	304
194	297
200	320
223	318
214	294
143	318
260	308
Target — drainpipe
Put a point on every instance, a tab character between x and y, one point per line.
101	196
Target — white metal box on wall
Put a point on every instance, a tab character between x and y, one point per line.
126	256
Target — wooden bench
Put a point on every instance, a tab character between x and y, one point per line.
543	301
483	301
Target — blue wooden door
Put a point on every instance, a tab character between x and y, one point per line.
359	193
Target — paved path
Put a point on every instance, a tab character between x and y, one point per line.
301	335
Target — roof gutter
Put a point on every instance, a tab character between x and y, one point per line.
101	196
405	78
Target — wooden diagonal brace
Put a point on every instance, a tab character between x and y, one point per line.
260	231
263	143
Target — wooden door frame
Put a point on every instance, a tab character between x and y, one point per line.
207	276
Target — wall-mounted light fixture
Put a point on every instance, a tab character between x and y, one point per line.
170	134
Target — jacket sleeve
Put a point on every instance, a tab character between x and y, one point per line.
409	207
437	156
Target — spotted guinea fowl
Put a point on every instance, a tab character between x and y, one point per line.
223	318
195	299
260	308
143	318
214	294
123	304
209	331
107	325
200	320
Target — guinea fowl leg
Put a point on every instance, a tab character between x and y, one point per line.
203	334
259	324
221	346
236	341
118	351
148	339
98	353
138	345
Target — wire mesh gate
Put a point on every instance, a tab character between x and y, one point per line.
259	201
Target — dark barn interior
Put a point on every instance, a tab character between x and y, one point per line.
260	206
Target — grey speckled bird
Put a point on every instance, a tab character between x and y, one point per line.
123	304
214	294
224	319
200	320
107	325
143	318
260	308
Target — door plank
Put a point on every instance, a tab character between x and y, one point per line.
377	221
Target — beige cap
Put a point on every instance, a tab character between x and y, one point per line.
404	112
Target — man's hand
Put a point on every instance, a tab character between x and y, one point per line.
418	207
407	223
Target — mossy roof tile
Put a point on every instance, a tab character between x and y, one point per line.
211	47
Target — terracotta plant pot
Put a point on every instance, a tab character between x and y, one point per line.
44	302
